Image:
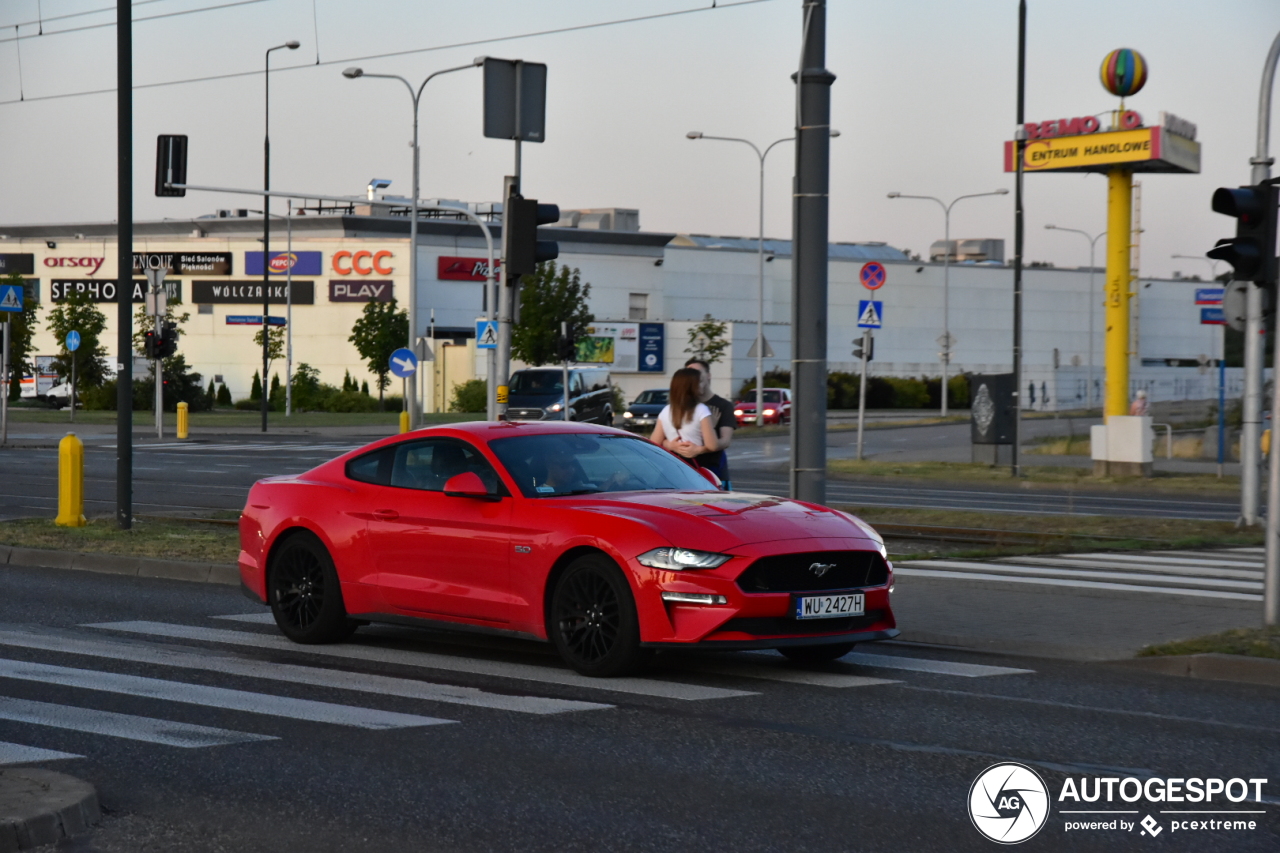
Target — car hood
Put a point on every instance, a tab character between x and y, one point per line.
718	521
646	408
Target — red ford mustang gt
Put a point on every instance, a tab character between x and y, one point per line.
591	537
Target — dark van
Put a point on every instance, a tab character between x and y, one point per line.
537	394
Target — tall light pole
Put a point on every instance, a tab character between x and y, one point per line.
694	134
1093	242
946	277
415	95
266	222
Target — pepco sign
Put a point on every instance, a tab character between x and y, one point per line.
361	263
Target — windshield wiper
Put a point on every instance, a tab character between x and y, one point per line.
590	491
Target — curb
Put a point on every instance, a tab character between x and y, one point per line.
39	807
113	564
1212	667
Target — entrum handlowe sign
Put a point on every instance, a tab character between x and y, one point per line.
1145	149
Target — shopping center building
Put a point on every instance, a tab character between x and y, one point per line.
647	290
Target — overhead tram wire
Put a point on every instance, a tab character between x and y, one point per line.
104	24
347	60
41	21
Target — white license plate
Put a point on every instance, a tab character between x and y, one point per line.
829	606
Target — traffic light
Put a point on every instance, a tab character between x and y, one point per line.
524	250
150	344
870	345
171	165
1253	250
567	347
167	345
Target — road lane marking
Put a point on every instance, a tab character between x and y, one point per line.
254	618
1163	560
429	660
936	667
783	671
128	726
16	753
1072	572
1071	565
382	685
1078	584
213	697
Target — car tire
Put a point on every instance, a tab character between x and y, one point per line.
592	619
304	593
606	419
817	654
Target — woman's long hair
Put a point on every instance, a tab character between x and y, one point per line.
684	395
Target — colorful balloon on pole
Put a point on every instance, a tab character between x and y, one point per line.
1124	72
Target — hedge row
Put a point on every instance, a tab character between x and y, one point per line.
883	392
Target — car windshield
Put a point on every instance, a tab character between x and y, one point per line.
546	466
769	397
656	397
538	382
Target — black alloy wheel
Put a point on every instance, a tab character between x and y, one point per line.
817	654
303	590
593	620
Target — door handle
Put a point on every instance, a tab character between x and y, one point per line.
386	514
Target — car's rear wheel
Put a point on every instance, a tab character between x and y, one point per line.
304	594
817	654
593	620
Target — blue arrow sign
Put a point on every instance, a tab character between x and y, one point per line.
73	341
870	314
404	363
11	298
486	334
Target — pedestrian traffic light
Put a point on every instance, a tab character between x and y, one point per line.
567	347
870	343
161	344
150	344
524	250
1252	252
171	165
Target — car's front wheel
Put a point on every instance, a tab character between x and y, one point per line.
817	654
303	591
593	620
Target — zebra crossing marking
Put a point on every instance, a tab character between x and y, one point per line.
128	726
429	660
214	697
199	659
17	753
1036	571
1080	584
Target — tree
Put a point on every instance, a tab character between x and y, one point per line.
255	390
21	332
547	299
706	340
224	395
380	331
275	346
78	313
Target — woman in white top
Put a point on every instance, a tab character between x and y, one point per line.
684	418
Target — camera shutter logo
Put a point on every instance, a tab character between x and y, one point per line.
1008	803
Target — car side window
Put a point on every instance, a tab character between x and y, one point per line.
576	385
371	467
428	465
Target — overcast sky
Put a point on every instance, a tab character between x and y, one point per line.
924	97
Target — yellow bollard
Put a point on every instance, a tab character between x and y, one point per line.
404	422
1265	441
70	482
182	420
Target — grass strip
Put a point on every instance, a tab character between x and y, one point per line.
1250	642
1050	477
161	539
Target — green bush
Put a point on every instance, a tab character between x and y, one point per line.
224	395
470	396
907	393
181	385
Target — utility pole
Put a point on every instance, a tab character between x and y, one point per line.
1020	143
1261	163
864	350
124	264
810	261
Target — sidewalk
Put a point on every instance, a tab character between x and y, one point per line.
39	807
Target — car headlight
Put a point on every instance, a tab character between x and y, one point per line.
679	559
738	412
768	411
627	415
555	407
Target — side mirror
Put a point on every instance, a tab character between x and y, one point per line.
709	475
466	485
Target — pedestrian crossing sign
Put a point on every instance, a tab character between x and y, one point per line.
11	298
486	334
870	314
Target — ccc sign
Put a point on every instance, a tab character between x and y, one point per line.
361	263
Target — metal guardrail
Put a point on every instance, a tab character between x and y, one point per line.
985	536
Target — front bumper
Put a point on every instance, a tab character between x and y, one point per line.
781	642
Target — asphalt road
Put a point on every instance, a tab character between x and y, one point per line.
215	473
204	733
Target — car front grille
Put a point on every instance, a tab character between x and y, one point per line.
776	626
814	571
525	414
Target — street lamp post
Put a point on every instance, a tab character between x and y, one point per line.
416	96
694	134
946	277
266	220
1093	242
